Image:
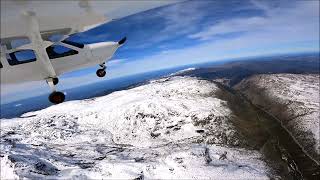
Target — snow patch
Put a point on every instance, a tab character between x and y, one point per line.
183	71
171	128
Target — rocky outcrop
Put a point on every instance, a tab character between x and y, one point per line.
293	99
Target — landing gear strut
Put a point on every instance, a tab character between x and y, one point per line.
101	72
55	81
55	97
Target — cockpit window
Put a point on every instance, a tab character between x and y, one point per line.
72	43
21	57
58	51
1	66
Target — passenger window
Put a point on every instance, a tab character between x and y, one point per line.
58	51
21	57
72	43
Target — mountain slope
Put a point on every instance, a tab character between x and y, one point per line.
170	128
294	100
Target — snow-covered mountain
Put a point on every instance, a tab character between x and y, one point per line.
183	71
294	100
170	128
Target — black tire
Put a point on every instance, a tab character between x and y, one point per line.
57	97
55	81
101	72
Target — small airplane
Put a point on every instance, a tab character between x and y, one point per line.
34	38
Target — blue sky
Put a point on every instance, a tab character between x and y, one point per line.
193	32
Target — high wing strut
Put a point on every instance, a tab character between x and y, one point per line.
37	43
39	46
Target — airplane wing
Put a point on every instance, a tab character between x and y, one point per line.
66	17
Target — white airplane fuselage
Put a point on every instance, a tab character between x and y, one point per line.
89	55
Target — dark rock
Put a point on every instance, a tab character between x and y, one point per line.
223	156
200	131
138	159
155	134
176	128
45	168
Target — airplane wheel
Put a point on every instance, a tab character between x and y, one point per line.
101	72
56	97
55	81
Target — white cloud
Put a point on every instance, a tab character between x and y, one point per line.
208	52
231	26
297	21
289	29
116	62
179	19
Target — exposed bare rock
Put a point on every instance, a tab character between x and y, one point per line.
291	98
